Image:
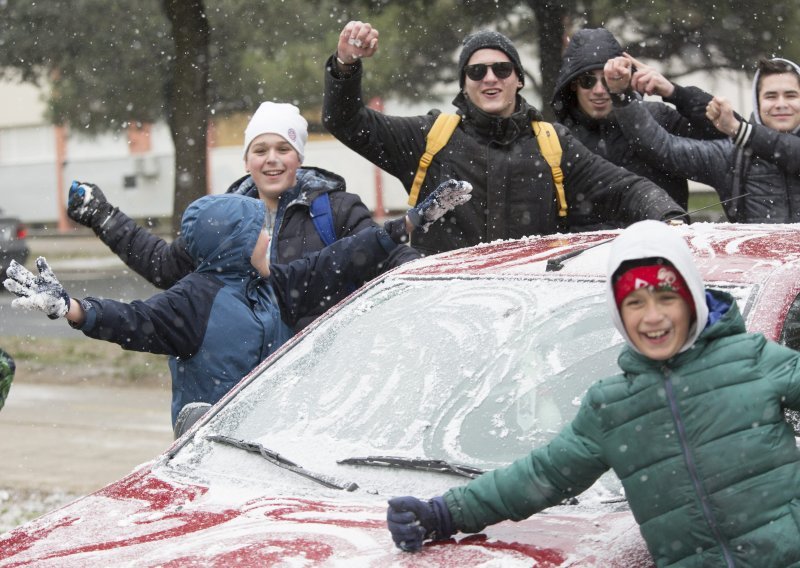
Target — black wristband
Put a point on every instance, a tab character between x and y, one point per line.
624	98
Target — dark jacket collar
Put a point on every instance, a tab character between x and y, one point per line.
497	128
311	182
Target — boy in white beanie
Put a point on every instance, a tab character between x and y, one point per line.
307	208
710	467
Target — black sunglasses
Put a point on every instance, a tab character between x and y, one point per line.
587	80
501	70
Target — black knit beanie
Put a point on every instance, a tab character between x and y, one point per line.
488	39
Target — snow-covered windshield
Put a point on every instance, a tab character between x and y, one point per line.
472	371
475	371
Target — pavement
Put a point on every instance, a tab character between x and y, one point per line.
76	250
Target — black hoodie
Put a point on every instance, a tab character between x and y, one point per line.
589	49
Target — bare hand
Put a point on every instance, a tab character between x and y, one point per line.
647	80
357	40
720	112
617	74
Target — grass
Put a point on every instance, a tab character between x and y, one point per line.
703	199
74	360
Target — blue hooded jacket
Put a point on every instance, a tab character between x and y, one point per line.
220	321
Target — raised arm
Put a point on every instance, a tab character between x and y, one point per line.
392	143
689	117
318	281
780	148
159	262
612	194
705	161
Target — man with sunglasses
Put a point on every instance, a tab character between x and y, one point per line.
493	147
581	102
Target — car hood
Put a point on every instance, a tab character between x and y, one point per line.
147	520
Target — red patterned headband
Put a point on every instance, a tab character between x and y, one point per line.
655	277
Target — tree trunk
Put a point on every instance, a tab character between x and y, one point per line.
550	17
188	101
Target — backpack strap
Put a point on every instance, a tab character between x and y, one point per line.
443	128
322	217
550	147
438	136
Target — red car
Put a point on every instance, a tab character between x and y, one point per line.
445	367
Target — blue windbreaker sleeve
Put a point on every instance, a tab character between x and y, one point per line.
326	277
172	322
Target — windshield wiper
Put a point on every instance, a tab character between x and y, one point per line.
422	464
557	262
280	461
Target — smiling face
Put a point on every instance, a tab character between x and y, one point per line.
657	322
273	164
779	101
491	94
595	102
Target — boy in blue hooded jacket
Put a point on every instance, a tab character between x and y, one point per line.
235	309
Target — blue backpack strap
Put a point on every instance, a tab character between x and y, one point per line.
322	217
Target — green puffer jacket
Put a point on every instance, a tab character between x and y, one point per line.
686	437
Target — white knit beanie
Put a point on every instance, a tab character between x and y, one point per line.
278	118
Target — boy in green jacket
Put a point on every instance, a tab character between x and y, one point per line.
693	427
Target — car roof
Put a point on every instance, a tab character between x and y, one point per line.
764	256
724	252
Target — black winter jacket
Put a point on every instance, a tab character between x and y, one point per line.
589	50
163	263
770	190
513	190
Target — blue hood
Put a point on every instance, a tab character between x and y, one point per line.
221	232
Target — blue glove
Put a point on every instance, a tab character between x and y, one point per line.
444	198
43	292
87	205
412	521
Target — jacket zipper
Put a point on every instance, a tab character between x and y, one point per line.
692	467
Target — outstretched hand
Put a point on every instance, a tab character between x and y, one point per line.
412	521
357	40
43	292
87	205
446	197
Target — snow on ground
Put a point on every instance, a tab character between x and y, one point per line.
20	506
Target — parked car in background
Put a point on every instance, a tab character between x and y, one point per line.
13	245
445	367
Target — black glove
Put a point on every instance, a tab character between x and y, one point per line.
87	205
411	521
446	197
43	292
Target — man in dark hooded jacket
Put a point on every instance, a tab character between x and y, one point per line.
755	170
582	103
493	147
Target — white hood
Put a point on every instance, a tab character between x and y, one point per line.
647	239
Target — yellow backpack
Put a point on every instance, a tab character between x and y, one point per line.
443	129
